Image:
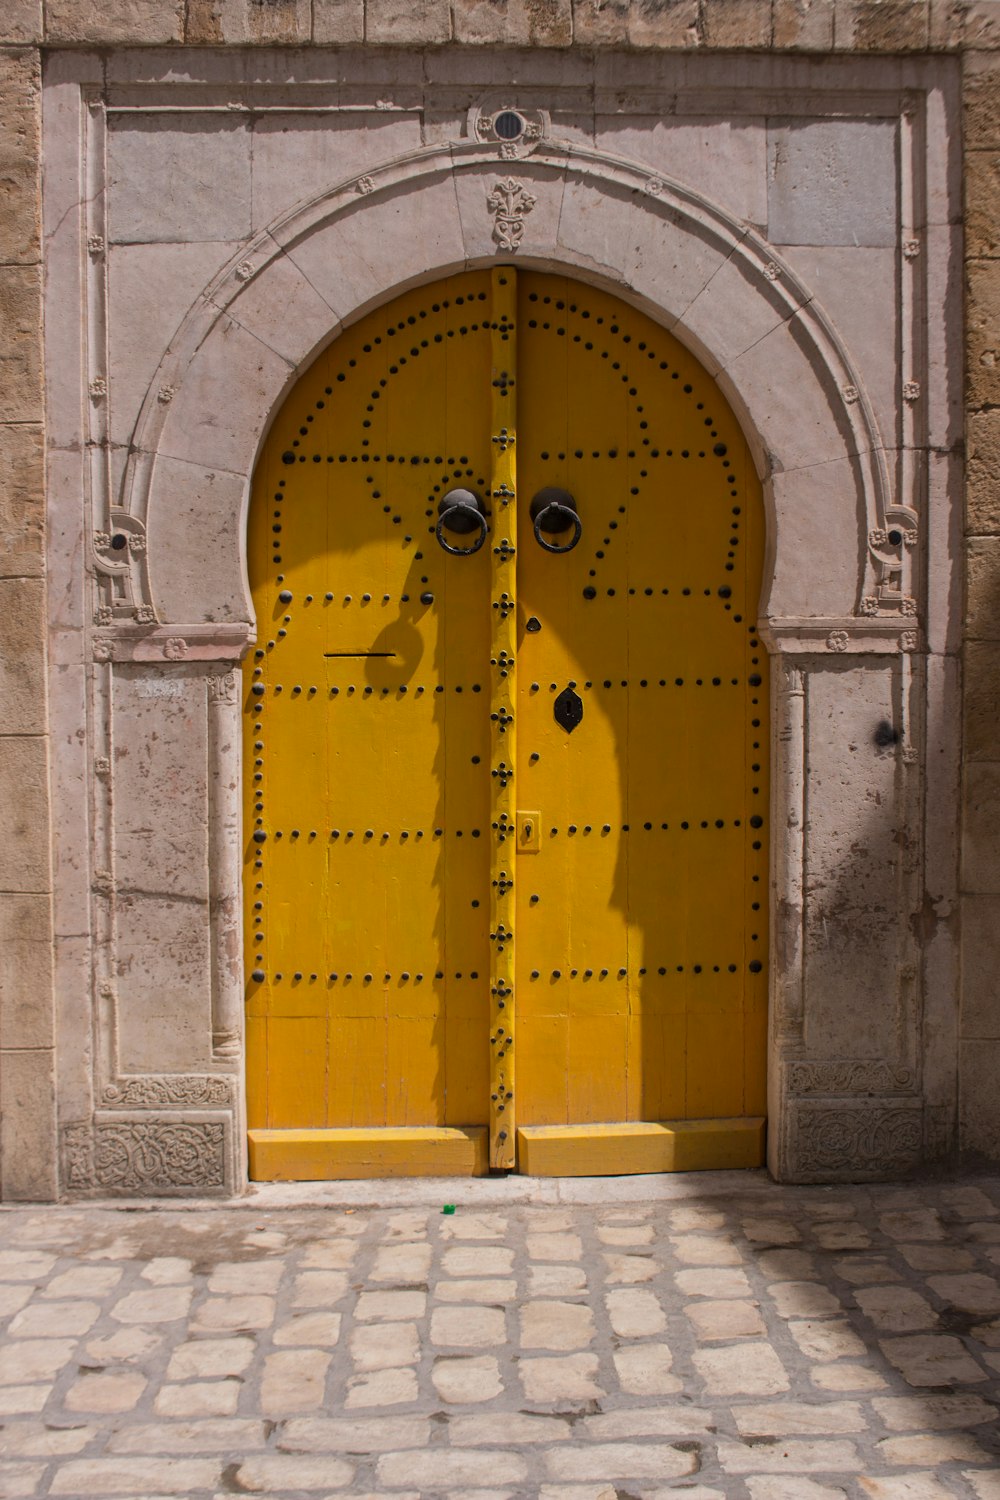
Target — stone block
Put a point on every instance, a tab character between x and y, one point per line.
425	23
194	526
982	204
28	1150
178	177
22	501
164	983
20	197
235	22
20	344
981	834
982	701
983	330
725	159
117	22
980	1003
982	602
25	971
338	22
21	22
24	854
150	288
738	24
832	182
974	23
295	156
514	23
22	662
881	25
802	25
664	23
981	102
600	25
982	474
978	1115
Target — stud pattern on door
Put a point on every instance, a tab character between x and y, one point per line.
450	754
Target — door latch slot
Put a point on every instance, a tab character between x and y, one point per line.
529	832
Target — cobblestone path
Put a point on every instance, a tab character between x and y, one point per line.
730	1339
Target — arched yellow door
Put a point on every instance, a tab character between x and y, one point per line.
506	803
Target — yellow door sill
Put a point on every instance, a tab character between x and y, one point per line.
624	1149
395	1151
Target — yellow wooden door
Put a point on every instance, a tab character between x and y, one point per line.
506	806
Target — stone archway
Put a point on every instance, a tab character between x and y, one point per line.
181	593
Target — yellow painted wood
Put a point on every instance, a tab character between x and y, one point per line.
319	1155
503	712
609	1150
382	770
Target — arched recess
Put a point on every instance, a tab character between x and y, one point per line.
702	274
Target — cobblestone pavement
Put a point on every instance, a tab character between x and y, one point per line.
719	1337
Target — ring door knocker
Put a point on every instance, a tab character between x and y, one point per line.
553	512
463	513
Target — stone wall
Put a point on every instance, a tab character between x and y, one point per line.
28	27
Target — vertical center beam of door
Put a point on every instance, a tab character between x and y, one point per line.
503	657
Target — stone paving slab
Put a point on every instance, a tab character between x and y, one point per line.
715	1337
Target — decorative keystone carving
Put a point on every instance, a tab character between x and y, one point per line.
139	1156
509	203
513	131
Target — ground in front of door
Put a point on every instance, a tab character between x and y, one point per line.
715	1336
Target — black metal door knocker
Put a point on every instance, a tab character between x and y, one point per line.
463	513
554	513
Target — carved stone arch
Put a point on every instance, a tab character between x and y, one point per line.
711	280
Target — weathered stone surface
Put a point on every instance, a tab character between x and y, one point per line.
980	1003
832	182
27	1123
982	190
21	22
186	183
280	22
881	25
518	23
981	851
19	156
981	101
982	325
20	344
338	22
738	23
982	504
25	971
982	702
22	664
22	501
979	1119
805	24
117	22
424	22
663	23
599	25
466	1380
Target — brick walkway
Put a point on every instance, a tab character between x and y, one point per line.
720	1337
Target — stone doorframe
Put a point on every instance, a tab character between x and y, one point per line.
854	683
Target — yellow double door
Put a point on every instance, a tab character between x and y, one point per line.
505	766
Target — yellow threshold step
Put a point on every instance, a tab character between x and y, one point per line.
621	1149
395	1151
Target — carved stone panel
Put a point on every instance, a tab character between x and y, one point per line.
150	1157
870	1141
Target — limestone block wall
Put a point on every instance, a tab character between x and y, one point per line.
875	925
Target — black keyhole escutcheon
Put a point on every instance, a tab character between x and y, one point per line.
568	710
